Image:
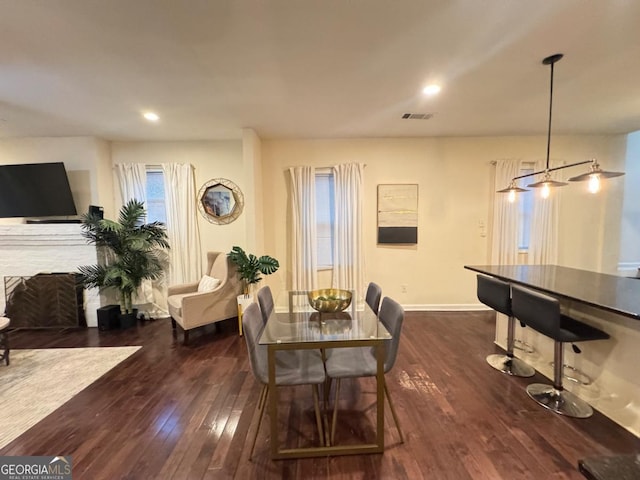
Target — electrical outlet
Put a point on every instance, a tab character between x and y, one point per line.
482	228
403	288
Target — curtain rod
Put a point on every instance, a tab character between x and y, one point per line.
364	165
158	166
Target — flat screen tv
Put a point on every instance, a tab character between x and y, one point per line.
35	190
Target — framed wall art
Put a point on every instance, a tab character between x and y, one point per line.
398	213
220	201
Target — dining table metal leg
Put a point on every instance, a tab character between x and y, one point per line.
316	405
393	413
380	396
273	401
262	401
335	412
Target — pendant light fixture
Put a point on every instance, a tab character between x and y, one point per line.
594	175
546	183
512	189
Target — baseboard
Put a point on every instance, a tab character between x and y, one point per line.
628	269
445	307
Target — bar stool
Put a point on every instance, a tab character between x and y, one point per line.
4	339
497	295
542	313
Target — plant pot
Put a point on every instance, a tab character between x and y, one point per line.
128	320
108	317
243	302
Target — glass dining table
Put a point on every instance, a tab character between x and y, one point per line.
304	328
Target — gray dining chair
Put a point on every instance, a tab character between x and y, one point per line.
355	362
293	367
373	296
265	299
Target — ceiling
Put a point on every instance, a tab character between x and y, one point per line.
316	68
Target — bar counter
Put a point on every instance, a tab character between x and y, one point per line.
620	295
608	302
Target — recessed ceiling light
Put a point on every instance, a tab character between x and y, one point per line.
152	117
431	89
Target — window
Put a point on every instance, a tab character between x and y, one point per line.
325	202
156	210
525	209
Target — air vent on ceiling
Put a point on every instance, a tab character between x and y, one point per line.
417	116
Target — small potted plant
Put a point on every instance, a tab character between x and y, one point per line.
133	251
250	268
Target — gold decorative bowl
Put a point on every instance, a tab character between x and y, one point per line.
327	300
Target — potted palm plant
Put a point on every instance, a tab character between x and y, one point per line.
132	251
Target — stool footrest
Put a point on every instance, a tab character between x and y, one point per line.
524	346
510	365
577	375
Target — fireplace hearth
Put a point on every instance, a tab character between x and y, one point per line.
46	300
28	250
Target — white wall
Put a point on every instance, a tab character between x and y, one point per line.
252	159
453	174
630	221
104	180
589	227
211	159
82	157
455	189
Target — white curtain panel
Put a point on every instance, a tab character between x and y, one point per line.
543	240
185	255
348	258
504	246
304	260
132	178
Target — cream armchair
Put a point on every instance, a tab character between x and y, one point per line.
192	309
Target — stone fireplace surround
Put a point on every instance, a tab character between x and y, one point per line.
28	249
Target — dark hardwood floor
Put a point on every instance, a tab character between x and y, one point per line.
172	412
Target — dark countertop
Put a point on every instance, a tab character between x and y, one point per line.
614	467
619	295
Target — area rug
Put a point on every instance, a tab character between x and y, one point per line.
60	372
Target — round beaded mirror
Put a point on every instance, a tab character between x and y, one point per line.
220	201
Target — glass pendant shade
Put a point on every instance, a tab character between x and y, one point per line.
548	181
595	170
594	176
546	184
512	189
